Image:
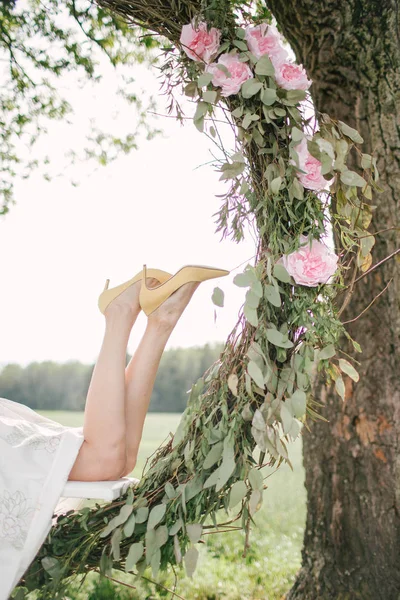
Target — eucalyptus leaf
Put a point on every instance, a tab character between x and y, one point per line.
256	479
155	516
130	526
224	472
256	374
177	526
115	543
278	339
218	297
272	295
134	555
250	87
264	66
237	493
340	388
268	96
299	403
281	274
286	417
142	514
348	368
190	560
233	383
350	132
194	532
204	79
255	502
244	279
252	300
352	178
251	315
327	352
213	456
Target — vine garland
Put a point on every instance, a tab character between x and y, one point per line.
291	181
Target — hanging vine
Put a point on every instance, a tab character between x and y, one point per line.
288	177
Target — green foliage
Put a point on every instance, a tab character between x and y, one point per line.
39	44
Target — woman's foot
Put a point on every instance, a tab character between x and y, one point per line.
169	312
128	301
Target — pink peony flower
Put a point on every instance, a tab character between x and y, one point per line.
200	44
310	264
312	179
290	76
239	71
265	39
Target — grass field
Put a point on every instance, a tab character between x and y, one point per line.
269	568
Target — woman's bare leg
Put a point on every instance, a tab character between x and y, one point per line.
103	452
141	371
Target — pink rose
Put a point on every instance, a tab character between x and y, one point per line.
310	264
290	76
200	44
239	72
312	179
265	39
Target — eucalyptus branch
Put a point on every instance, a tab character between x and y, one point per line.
370	304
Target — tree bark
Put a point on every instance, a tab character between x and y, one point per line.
351	51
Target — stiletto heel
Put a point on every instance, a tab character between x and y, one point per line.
151	298
108	295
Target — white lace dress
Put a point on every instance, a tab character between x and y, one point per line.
36	457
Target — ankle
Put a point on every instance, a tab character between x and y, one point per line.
120	313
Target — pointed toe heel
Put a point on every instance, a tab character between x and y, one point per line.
151	298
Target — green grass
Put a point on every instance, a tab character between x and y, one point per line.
268	570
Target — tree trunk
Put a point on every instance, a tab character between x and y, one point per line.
351	51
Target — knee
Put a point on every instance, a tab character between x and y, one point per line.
112	463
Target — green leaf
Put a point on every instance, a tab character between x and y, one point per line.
264	66
367	242
130	526
272	295
366	161
176	527
190	560
275	185
278	339
194	531
251	315
256	479
339	386
297	134
281	274
352	178
237	493
255	502
350	133
268	96
218	297
213	456
134	555
240	33
257	289
142	514
115	544
256	374
299	403
155	516
211	480
233	383
225	471
348	368
51	565
252	300
155	562
241	45
210	96
204	79
201	110
250	87
161	535
327	352
286	418
244	279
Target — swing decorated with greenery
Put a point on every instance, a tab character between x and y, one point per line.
289	179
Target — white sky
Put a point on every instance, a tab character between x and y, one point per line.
59	243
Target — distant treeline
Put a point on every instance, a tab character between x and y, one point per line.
63	386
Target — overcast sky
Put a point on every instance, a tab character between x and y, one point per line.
60	242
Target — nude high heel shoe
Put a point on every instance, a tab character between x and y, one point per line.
151	298
108	295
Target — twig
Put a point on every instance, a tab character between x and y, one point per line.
370	304
378	264
120	582
349	293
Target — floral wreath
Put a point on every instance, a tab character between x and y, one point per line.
292	182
